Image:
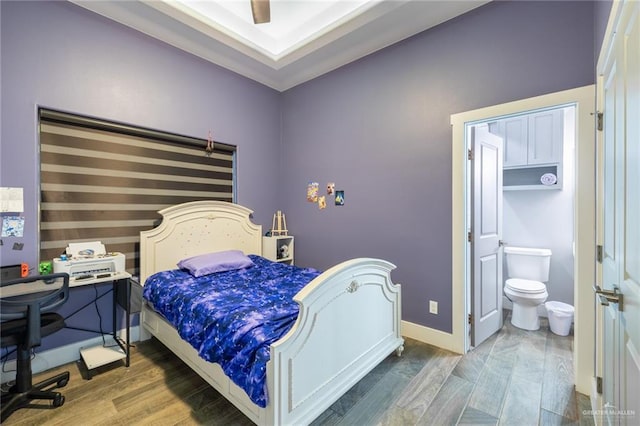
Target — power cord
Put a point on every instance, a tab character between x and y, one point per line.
95	302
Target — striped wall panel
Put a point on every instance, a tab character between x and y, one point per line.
102	182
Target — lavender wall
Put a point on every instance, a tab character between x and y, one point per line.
602	8
58	55
380	129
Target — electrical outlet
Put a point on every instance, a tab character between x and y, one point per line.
433	307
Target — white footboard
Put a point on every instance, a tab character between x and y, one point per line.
349	322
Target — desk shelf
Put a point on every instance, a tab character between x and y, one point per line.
98	356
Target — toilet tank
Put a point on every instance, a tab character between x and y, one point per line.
528	263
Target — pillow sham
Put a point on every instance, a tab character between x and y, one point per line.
209	263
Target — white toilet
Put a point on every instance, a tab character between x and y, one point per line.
528	270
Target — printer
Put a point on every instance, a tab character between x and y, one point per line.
89	260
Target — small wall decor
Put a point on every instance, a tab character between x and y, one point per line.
279	226
339	198
322	202
312	192
13	226
331	187
11	200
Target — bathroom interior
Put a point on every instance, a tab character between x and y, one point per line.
538	212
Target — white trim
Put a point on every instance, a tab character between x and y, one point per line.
382	24
430	335
596	402
62	355
584	220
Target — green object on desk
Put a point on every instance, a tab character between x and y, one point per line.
45	267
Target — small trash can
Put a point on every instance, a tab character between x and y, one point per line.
560	317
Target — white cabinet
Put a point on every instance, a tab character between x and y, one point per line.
545	137
514	140
532	146
278	248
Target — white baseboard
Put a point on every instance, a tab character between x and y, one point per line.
56	357
446	340
431	336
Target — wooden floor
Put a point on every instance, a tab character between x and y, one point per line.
517	377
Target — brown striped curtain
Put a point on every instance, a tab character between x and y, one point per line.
102	181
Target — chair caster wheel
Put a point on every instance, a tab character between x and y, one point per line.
58	400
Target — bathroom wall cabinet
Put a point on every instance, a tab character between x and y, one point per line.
532	146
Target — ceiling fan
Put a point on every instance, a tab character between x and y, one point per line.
261	11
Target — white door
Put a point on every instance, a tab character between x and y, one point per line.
619	346
486	233
610	255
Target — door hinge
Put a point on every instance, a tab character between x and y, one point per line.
599	385
600	120
469	236
470	319
469	155
599	253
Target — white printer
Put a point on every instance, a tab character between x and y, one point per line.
90	260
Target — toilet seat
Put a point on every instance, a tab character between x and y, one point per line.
525	286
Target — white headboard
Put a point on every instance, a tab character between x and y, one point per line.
195	228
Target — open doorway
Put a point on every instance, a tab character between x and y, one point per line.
583	101
523	199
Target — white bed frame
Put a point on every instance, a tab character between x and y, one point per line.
349	318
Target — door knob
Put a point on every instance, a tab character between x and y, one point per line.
609	296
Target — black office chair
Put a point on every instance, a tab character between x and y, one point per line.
26	318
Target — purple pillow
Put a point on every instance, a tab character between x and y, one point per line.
205	264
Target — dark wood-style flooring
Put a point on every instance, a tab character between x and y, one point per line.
516	377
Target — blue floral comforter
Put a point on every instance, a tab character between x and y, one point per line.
232	317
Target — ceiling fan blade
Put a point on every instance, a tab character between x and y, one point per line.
261	11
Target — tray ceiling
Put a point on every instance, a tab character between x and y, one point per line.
305	38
